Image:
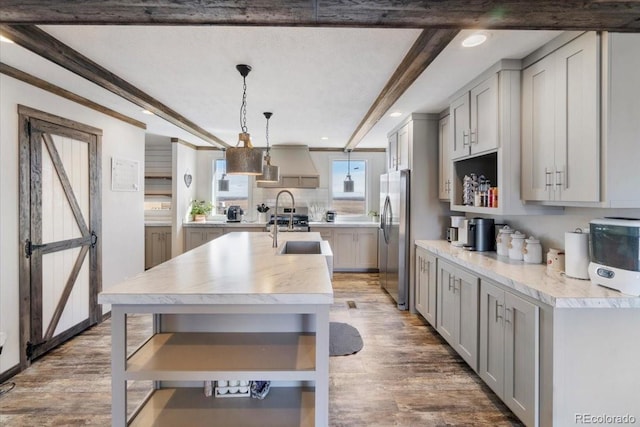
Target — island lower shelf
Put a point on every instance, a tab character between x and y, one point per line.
285	406
194	356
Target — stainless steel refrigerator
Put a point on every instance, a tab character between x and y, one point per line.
393	239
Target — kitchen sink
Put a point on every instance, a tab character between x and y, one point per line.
309	247
301	248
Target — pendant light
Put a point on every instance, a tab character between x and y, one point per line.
223	182
244	160
348	182
269	173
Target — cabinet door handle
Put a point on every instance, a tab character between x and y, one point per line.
506	317
465	138
498	316
426	265
474	140
450	277
547	179
559	178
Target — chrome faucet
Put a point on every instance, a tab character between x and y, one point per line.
275	221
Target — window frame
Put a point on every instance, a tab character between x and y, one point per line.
214	187
367	185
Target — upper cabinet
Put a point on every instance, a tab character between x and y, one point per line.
444	145
484	129
475	119
580	127
560	124
398	154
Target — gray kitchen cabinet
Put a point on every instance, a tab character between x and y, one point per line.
426	285
509	350
355	249
157	246
560	124
485	140
392	151
457	310
398	149
475	119
194	237
444	172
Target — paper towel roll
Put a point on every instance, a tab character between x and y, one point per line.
576	249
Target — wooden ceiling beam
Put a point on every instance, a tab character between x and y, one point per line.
425	49
612	15
48	47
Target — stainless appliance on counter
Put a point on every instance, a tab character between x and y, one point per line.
234	214
296	219
481	235
393	239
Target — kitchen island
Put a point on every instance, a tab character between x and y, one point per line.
234	308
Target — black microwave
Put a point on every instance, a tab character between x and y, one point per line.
615	254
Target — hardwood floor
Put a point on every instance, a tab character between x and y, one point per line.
406	375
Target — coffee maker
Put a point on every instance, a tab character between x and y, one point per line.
481	235
234	214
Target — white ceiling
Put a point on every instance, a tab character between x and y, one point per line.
318	82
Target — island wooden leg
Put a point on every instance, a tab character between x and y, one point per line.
322	366
118	361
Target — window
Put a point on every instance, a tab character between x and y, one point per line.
349	203
238	194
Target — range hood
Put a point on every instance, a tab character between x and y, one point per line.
297	170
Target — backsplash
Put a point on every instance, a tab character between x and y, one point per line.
315	199
550	229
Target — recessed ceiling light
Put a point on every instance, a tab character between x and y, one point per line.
395	114
475	39
6	40
324	138
147	112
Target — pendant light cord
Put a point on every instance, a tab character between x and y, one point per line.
243	107
349	163
267	135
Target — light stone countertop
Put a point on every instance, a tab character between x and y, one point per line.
344	224
157	223
323	224
225	224
237	268
535	280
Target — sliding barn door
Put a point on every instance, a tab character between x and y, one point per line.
60	229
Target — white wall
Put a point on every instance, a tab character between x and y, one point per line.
550	229
122	212
184	159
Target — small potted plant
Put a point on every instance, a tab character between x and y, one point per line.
200	209
374	216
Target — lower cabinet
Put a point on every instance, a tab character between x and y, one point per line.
509	349
457	310
194	237
426	285
157	246
355	248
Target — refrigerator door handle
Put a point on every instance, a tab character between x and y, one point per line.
387	219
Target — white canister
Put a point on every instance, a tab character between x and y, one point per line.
532	251
503	240
515	245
